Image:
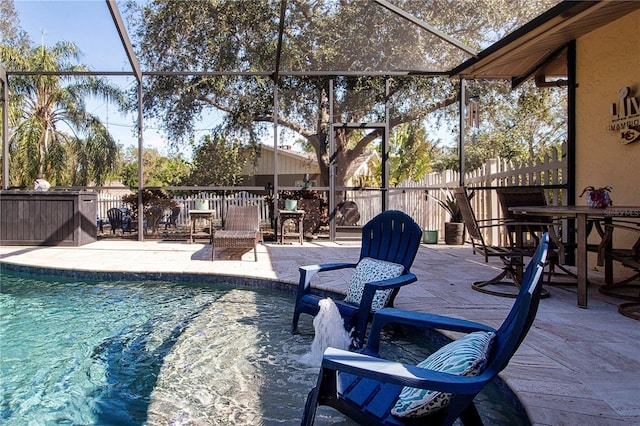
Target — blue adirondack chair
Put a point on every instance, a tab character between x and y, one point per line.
391	236
365	387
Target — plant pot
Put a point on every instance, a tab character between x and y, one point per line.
430	237
202	204
454	233
291	205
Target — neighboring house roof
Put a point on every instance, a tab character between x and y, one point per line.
289	162
115	187
292	162
286	151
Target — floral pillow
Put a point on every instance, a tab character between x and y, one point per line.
466	356
370	270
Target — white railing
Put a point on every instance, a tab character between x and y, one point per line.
106	202
211	202
409	196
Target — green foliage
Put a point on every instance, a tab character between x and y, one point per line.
40	106
157	170
448	202
525	124
411	153
151	198
10	32
178	36
219	161
517	125
298	194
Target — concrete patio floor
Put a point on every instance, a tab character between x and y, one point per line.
576	366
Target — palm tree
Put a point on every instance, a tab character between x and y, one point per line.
43	106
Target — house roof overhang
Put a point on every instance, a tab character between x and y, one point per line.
538	49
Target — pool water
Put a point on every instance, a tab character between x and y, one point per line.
159	353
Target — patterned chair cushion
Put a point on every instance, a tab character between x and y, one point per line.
370	270
466	356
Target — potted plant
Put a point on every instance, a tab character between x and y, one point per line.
154	201
454	228
308	200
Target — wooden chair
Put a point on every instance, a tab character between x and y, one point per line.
172	219
367	388
511	255
241	229
628	288
153	216
391	238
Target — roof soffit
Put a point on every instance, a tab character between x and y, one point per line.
536	48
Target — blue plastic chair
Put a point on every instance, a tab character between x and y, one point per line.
392	236
365	387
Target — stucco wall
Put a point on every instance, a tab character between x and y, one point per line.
607	60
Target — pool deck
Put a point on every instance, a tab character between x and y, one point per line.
576	366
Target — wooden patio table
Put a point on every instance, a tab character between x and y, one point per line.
582	214
297	215
195	216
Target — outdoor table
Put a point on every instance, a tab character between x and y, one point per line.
582	214
284	215
194	217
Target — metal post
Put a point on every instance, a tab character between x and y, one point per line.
463	95
571	147
140	166
275	152
5	128
385	148
571	123
332	166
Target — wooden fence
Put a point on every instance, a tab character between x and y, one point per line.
411	197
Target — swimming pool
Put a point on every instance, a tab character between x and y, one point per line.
153	352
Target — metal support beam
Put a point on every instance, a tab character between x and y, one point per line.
427	27
571	146
332	165
283	11
276	183
124	37
140	166
385	148
462	110
5	128
571	122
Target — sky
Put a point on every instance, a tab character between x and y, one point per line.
89	25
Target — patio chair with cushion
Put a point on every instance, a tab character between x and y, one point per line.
241	230
376	391
390	243
512	255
